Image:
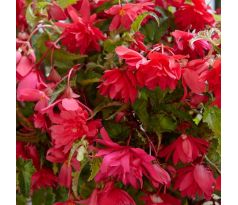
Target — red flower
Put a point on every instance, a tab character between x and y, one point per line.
43	178
56	12
32	89
128	164
109	195
24	64
68	202
197	49
214	81
125	14
161	199
132	58
65	175
68	126
185	149
119	84
28	151
194	76
81	35
167	3
162	70
195	16
195	180
20	15
218	183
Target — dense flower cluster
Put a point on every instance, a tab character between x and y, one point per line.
118	102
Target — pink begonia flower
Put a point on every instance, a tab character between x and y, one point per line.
162	70
124	15
185	149
81	35
193	16
132	58
128	164
119	84
43	178
109	195
198	49
195	181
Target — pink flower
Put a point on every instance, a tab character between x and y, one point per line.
32	89
28	151
132	58
194	76
195	16
165	4
43	178
68	126
109	195
81	35
218	183
185	149
65	175
214	81
128	164
161	199
197	49
195	180
24	63
69	123
20	15
125	14
161	70
56	12
119	84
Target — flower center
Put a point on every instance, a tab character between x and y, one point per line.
122	12
184	137
74	130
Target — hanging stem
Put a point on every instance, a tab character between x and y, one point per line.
212	164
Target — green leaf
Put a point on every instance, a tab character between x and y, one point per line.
43	197
21	200
65	3
94	168
197	119
30	16
140	107
58	90
136	25
25	170
162	123
212	116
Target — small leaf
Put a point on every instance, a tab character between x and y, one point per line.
94	167
43	197
59	89
30	16
136	25
197	119
25	170
65	3
212	116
